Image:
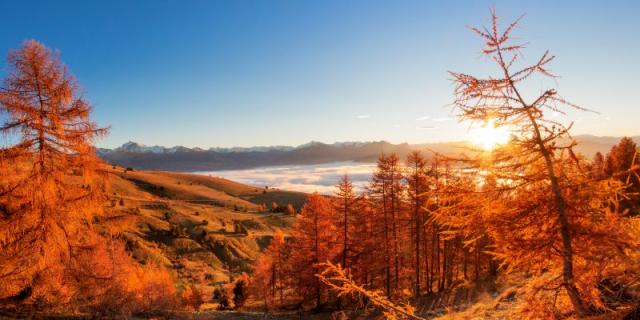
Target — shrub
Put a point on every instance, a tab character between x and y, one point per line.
291	210
240	292
221	296
193	298
157	290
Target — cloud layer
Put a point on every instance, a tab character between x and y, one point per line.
306	178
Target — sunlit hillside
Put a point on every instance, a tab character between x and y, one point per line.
202	227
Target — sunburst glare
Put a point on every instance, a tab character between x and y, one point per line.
489	136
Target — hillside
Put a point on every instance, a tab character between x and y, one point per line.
206	229
185	159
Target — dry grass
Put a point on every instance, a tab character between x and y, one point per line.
199	240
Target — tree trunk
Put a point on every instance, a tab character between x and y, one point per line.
565	232
317	259
395	233
426	257
386	242
418	243
345	235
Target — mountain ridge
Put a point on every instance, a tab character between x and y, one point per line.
179	158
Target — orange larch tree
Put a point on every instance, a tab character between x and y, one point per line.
269	274
623	164
345	205
379	192
49	191
313	239
417	187
548	217
365	244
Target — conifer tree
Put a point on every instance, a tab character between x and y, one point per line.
365	245
386	192
344	209
269	272
314	236
623	164
598	164
548	218
49	191
417	184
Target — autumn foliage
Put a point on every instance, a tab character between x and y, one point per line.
439	226
53	257
387	238
428	227
545	213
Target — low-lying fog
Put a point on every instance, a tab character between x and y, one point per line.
306	178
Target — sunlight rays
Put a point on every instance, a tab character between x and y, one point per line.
489	136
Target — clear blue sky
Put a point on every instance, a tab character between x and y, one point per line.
243	73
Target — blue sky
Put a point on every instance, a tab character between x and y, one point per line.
243	73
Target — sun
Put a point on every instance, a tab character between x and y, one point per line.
488	136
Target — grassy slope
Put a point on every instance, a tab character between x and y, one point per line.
196	225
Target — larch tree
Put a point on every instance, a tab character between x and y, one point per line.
623	164
49	191
269	272
385	191
597	166
313	237
345	204
417	186
262	280
549	218
396	194
366	245
621	158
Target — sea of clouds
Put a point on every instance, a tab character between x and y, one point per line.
320	178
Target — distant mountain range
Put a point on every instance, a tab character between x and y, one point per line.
181	158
